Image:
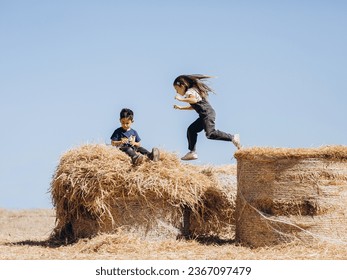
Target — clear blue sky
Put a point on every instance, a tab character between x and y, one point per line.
68	67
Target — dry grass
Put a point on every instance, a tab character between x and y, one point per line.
269	153
83	183
20	240
96	189
284	194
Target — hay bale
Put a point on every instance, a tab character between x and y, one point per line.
284	194
95	189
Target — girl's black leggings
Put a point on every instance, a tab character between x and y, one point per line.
207	124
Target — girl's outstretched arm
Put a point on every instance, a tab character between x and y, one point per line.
190	99
183	107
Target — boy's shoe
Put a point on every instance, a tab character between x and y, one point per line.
137	160
236	141
155	154
190	156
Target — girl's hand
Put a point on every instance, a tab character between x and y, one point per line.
177	107
177	97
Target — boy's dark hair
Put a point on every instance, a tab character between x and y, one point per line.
190	81
127	114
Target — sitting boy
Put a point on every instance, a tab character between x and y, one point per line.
128	140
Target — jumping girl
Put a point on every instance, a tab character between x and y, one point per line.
192	90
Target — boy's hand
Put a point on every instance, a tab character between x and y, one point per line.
132	140
124	140
177	107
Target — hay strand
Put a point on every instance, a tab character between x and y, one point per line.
285	194
96	189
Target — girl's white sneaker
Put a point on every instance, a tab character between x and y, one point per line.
190	156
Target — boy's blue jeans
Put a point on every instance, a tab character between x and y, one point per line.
131	150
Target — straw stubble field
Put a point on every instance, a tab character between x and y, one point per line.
24	236
93	185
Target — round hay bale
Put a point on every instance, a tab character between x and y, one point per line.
284	194
95	189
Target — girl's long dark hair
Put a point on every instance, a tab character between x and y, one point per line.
194	81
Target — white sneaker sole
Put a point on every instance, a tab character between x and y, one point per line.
189	157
